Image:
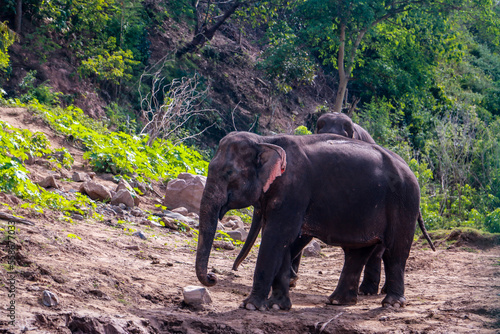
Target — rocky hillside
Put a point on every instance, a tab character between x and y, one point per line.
241	95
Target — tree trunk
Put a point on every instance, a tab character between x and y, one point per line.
343	77
19	15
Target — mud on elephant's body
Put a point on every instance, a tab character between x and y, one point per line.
344	192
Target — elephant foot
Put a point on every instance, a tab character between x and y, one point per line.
343	299
253	303
394	301
282	303
368	288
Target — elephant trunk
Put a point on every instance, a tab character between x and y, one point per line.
209	215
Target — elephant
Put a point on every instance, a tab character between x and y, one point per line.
342	191
342	124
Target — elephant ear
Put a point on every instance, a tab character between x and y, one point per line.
348	128
272	162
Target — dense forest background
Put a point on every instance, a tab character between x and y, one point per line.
173	77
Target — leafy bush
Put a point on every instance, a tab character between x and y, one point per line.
7	38
17	145
492	221
285	62
109	67
121	153
302	130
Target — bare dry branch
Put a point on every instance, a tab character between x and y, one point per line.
167	107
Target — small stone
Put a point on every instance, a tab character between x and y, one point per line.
49	182
49	299
181	210
313	249
170	223
178	216
136	212
196	295
239	234
133	247
223	244
95	191
116	209
233	222
193	215
146	221
77	216
80	177
140	235
124	196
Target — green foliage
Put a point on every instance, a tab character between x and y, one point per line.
121	153
302	130
492	221
42	93
7	38
17	145
109	67
285	62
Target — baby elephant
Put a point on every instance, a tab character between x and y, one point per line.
341	124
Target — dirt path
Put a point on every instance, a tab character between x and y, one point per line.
109	281
112	278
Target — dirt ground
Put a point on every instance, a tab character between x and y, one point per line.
107	280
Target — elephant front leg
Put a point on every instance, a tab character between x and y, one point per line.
346	292
272	269
371	277
280	296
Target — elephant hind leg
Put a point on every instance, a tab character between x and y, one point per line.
296	251
346	292
394	280
371	278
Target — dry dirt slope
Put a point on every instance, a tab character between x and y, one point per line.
111	281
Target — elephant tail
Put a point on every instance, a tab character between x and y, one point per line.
424	231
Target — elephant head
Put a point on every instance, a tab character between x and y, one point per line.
336	123
242	170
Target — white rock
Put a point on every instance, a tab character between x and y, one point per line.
185	191
312	249
196	295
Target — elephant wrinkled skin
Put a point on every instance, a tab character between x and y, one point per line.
344	192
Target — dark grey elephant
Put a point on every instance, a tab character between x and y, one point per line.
342	124
344	192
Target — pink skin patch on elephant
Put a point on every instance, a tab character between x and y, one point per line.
277	170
